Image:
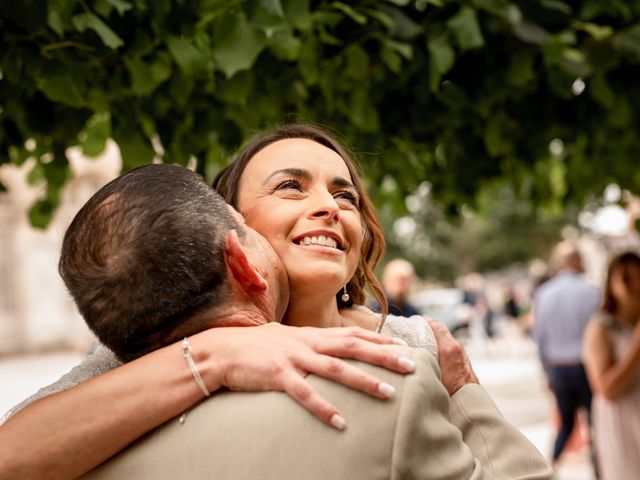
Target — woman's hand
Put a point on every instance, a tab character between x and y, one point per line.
278	357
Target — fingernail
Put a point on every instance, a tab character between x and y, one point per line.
386	390
338	421
408	364
400	341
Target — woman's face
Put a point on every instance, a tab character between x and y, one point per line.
625	284
299	195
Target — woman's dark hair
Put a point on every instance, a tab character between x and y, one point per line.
620	262
373	244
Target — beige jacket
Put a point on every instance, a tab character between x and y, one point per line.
268	436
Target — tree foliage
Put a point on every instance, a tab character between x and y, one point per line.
458	92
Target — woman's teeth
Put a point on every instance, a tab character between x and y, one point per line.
320	240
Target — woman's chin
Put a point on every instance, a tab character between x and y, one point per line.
316	282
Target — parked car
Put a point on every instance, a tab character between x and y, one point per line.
447	305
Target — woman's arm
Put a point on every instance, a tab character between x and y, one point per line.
608	377
68	433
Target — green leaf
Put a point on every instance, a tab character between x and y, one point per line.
190	60
466	29
557	178
121	6
135	149
441	59
442	53
362	112
180	88
391	58
237	44
350	12
496	137
598	32
297	11
308	63
357	60
97	132
328	39
383	18
236	90
61	87
496	7
404	27
400	3
59	15
601	91
146	76
98	100
575	63
531	33
557	6
272	7
89	21
521	70
55	22
102	8
285	46
403	49
629	41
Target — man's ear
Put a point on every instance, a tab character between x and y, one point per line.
236	258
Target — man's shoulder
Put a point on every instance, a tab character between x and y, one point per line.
563	282
236	434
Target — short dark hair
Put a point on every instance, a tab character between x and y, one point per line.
145	256
373	244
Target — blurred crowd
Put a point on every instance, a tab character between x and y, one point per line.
587	338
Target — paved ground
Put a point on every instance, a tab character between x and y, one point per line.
508	368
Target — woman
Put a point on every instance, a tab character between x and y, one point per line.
313	208
612	360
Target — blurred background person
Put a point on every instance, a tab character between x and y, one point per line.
398	277
511	303
612	360
476	298
562	307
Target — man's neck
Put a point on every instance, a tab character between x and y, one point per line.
239	316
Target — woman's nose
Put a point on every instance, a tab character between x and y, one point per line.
326	208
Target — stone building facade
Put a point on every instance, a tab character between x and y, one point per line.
36	312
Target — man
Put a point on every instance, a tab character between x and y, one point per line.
414	436
272	434
397	277
562	306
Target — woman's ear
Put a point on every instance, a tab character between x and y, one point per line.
239	265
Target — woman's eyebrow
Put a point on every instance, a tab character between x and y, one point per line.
342	182
294	172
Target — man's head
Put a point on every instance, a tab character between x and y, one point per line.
566	256
397	278
153	256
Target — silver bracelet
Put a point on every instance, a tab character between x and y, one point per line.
186	353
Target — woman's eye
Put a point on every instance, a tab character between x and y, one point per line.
348	196
288	185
